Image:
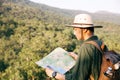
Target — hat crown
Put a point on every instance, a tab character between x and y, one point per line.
83	19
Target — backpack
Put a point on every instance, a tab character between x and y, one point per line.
110	67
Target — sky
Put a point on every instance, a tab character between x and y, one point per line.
86	5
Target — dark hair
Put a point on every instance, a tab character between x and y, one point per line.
91	29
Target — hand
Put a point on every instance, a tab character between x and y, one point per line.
58	76
73	55
49	72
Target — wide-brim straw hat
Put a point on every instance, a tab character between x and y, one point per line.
83	21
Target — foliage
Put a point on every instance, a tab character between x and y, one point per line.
27	34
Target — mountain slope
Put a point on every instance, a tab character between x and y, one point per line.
100	16
103	16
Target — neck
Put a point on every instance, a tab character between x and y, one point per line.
87	36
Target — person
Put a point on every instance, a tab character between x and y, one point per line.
89	58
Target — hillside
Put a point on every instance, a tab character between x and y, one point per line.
29	31
107	17
100	15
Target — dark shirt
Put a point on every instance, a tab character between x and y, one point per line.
88	62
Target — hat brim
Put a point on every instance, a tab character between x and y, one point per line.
79	26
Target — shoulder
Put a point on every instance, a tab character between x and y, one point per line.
87	46
87	49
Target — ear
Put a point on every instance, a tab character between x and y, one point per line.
85	30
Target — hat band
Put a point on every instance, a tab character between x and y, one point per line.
81	24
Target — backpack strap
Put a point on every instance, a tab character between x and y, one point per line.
100	48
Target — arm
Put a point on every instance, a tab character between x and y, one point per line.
82	69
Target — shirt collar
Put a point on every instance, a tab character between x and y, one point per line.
89	39
92	38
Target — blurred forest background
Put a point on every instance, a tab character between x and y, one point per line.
29	31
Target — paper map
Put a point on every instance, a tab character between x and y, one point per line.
58	60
